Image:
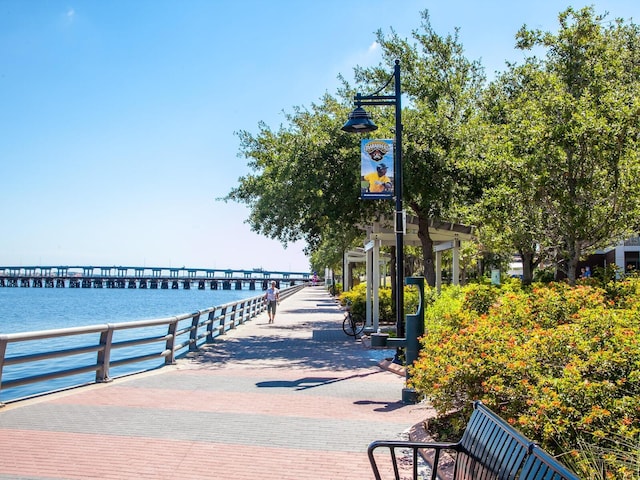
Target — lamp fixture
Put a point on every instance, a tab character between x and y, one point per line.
359	121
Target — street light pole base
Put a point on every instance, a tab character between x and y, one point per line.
409	396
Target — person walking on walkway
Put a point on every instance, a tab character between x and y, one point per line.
272	296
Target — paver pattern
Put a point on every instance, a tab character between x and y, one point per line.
296	399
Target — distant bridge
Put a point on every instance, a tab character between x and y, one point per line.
80	276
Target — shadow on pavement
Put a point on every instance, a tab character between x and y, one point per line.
309	382
328	348
388	407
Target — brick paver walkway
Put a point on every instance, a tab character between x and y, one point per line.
294	400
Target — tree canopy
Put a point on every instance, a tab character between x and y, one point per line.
544	159
567	169
302	183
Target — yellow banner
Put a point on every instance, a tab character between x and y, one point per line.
376	170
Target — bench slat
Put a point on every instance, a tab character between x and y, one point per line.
494	449
542	466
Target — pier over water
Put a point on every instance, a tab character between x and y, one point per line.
144	277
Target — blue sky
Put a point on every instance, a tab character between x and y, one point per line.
118	117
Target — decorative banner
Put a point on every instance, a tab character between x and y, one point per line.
376	170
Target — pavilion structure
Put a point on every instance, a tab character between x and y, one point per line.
445	236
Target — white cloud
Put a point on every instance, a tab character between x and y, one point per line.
361	58
69	16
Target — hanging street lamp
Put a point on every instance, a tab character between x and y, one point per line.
360	121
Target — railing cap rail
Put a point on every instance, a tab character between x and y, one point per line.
58	332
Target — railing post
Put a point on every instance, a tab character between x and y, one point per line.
254	307
223	319
212	316
104	355
171	341
3	351
234	308
193	336
243	312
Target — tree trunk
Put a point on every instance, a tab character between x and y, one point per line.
569	263
427	251
527	268
572	265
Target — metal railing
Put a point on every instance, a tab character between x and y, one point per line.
187	331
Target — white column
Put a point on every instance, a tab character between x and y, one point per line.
438	268
456	262
345	272
376	285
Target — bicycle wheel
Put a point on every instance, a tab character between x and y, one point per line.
353	325
358	322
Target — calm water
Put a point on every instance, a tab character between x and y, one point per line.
30	309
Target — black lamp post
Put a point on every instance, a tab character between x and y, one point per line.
360	122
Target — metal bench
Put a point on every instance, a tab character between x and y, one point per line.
489	449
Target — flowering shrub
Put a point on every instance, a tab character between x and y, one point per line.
561	364
479	297
444	308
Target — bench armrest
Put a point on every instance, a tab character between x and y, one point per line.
406	456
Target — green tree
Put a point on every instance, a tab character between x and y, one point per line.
571	128
304	180
443	89
509	213
303	183
329	252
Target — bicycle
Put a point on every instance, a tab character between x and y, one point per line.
353	324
